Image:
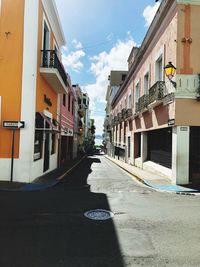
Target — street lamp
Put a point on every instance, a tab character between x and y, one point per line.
170	71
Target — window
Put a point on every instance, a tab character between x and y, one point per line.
64	100
69	101
125	103
137	92
123	77
72	107
146	83
46	37
159	69
38	144
129	101
84	101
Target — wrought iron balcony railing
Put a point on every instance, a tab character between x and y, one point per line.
124	113
115	119
129	113
51	60
143	102
156	92
119	115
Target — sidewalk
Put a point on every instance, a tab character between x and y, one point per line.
153	180
43	182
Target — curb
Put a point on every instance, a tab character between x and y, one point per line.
37	187
155	189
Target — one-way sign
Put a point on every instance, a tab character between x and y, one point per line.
13	124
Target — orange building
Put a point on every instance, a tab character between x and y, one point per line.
31	78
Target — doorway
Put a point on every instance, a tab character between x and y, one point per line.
46	149
194	162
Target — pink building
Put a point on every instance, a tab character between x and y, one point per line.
155	118
67	125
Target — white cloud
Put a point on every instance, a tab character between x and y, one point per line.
77	44
73	61
98	121
65	48
149	13
101	65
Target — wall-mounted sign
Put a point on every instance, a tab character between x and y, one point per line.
184	128
47	100
67	132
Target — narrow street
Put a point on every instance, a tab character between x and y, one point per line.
49	229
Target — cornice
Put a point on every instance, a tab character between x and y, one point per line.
188	2
53	17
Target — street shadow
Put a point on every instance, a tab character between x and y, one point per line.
49	229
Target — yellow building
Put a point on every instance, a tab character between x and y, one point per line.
31	77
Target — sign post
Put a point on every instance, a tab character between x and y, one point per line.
13	125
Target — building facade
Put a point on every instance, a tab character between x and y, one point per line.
32	77
155	117
67	126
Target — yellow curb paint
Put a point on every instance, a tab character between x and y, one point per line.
63	175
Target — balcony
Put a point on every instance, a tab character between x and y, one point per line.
116	120
156	93
119	115
53	71
129	113
124	113
142	103
109	128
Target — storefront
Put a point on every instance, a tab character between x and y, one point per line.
160	147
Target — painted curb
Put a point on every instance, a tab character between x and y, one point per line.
155	189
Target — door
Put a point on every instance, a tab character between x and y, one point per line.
46	149
194	167
129	147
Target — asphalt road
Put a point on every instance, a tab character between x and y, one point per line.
49	229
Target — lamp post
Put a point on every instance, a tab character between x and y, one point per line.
169	72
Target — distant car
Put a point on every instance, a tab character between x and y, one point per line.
99	151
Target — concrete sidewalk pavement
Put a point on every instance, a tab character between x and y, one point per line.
153	180
43	182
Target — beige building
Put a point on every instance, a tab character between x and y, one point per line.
155	115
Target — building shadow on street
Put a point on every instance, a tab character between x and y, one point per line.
48	228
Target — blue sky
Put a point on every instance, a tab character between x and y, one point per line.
99	37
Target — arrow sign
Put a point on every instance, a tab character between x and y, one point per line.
13	124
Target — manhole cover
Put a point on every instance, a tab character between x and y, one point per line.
99	214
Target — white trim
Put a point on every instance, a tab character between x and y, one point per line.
44	20
28	99
53	17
